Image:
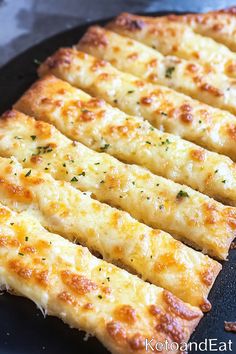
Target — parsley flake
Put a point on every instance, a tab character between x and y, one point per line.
28	173
169	72
74	179
82	174
182	194
105	147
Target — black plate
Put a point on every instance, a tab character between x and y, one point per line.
23	329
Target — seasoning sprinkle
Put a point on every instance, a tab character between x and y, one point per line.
74	179
28	173
182	194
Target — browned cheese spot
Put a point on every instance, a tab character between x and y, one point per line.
94	37
210	211
232	131
205	306
37	159
125	313
16	192
178	307
133	56
211	89
146	101
21	270
66	297
116	331
137	342
186	115
78	283
61	58
192	68
128	23
207	277
171	327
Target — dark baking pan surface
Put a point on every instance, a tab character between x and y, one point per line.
23	329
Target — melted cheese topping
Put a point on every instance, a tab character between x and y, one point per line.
177	114
87	293
219	25
111	232
180	161
172	38
217	89
164	204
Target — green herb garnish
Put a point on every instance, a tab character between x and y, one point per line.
169	72
182	194
74	179
105	147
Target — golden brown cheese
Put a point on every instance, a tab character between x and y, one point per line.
219	25
174	113
111	232
157	201
217	89
175	38
66	281
174	158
